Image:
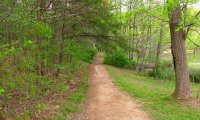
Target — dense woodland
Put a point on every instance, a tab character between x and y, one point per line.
46	47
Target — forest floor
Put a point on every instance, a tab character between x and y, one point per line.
105	101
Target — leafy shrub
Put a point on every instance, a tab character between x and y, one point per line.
165	70
84	51
1	91
61	87
167	73
165	64
118	59
195	75
131	65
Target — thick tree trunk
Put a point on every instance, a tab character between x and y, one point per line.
182	90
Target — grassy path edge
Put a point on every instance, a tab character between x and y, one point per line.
154	95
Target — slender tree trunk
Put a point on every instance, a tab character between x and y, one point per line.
182	90
129	29
159	47
133	38
60	57
39	39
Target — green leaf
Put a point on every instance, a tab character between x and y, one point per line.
2	91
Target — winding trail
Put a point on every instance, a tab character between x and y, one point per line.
106	101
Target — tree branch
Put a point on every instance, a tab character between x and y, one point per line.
90	35
189	26
193	42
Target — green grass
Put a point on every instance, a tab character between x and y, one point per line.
155	95
80	95
194	65
70	108
74	100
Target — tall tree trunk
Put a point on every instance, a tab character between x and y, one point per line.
39	6
182	90
61	55
159	47
131	26
133	38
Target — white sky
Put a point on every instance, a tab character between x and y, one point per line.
197	5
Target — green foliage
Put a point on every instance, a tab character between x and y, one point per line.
167	73
82	50
61	87
41	29
74	100
131	65
70	108
42	50
79	95
2	91
32	91
41	106
118	58
194	75
165	70
162	64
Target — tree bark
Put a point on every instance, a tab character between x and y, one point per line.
178	37
60	57
159	48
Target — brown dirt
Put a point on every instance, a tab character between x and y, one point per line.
105	101
192	102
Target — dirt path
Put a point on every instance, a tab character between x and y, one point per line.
106	101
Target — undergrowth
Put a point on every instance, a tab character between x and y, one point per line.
29	95
119	59
73	102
